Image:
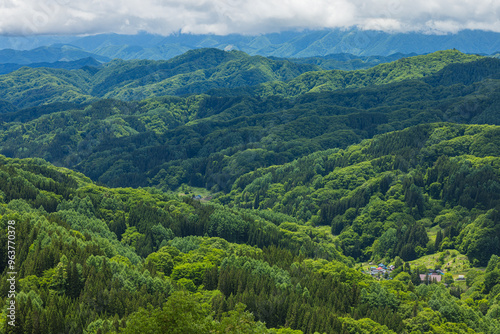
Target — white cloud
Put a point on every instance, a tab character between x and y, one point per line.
27	17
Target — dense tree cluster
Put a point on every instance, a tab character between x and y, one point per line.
210	141
381	201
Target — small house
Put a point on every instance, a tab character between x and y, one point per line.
430	278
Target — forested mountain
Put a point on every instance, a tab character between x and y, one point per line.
295	85
68	65
403	69
348	62
209	141
255	199
99	259
392	187
196	71
206	70
46	54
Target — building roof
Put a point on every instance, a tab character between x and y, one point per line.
432	277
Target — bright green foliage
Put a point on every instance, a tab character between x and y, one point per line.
402	69
162	261
380	202
28	87
188	313
241	322
364	326
480	239
379	297
279	284
182	313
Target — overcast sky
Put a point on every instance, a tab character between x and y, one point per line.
31	17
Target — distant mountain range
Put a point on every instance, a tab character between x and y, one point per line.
67	65
286	44
46	54
70	57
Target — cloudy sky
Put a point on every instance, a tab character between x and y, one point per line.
35	17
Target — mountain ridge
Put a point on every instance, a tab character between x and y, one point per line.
307	43
211	71
6	68
402	69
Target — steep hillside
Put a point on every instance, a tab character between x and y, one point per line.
380	196
75	240
122	260
35	86
194	72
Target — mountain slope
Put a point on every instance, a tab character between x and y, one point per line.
402	69
96	250
35	86
419	177
68	65
140	248
293	195
209	141
194	72
206	70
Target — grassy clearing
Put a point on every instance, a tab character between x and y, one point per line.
432	232
185	190
450	260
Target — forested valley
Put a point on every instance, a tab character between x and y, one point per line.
221	193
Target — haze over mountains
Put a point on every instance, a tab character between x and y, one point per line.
286	44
